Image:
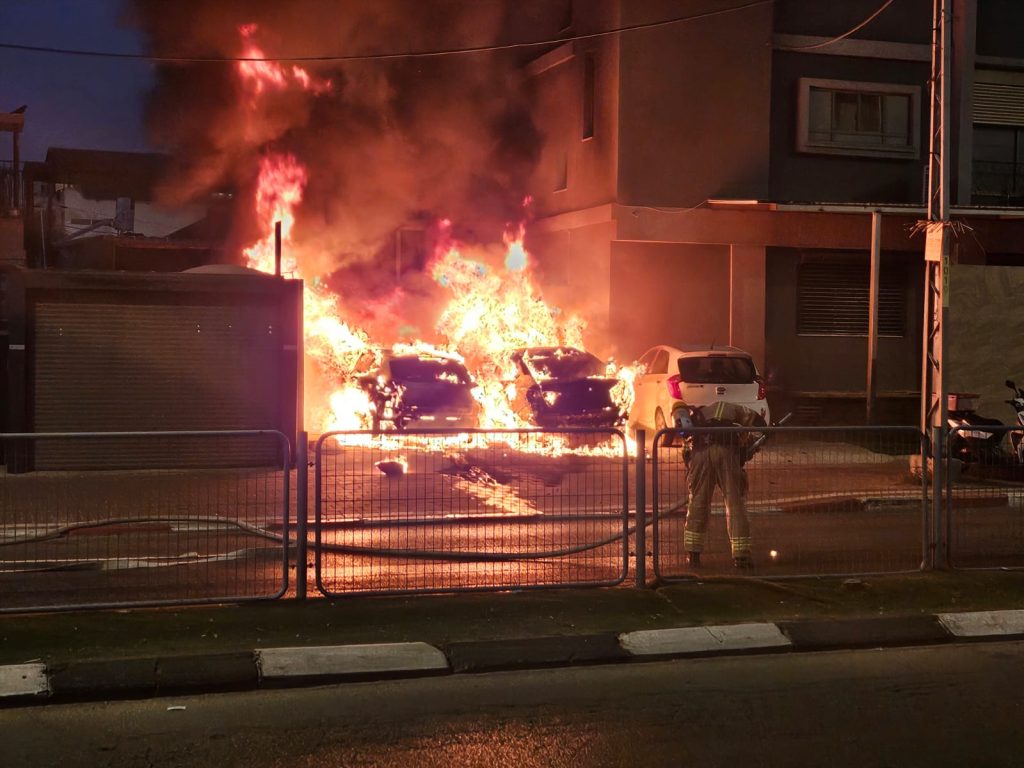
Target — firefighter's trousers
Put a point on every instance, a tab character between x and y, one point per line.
711	466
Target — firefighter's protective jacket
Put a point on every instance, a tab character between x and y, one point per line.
722	414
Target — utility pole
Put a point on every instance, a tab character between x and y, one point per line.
934	390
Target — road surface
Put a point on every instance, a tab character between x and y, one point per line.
954	705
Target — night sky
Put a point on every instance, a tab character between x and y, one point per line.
73	101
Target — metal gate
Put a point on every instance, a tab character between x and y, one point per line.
984	498
435	511
821	501
153	367
77	539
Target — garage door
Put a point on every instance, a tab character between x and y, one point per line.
101	367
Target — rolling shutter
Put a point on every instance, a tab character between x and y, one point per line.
102	367
999	103
833	299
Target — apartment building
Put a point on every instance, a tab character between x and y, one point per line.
711	172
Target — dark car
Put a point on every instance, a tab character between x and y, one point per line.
563	387
422	391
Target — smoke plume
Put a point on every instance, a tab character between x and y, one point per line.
391	144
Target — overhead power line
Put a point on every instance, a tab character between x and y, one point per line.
843	36
379	56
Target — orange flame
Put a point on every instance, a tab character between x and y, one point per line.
258	74
491	313
492	309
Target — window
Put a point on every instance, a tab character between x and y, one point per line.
561	171
566	24
589	74
644	364
998	165
833	298
840	117
717	370
660	364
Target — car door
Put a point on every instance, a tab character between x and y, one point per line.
658	396
642	410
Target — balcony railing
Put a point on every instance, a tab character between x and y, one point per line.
998	183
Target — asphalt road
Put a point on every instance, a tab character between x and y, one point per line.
958	705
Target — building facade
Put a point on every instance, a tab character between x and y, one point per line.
98	209
711	173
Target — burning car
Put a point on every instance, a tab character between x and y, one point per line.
563	387
422	391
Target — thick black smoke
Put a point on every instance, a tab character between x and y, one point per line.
393	144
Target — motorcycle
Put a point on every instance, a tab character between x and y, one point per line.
1017	436
972	437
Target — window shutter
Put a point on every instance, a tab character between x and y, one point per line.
999	103
833	300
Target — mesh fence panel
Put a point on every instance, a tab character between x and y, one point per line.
985	498
97	538
820	501
429	512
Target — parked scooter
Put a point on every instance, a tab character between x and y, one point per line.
970	441
1017	436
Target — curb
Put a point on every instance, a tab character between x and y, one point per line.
36	682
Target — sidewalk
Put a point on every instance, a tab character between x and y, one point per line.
152	652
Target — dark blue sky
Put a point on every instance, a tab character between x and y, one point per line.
73	101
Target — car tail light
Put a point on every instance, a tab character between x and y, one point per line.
673	387
762	390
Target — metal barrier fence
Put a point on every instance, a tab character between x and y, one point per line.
161	528
432	511
820	501
984	498
104	520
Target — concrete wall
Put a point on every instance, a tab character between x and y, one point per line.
694	105
747	300
12	249
799	177
573	270
668	293
576	171
907	21
985	344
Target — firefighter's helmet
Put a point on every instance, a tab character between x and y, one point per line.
681	417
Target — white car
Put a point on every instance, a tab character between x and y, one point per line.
668	376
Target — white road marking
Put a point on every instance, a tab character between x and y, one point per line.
727	637
349	660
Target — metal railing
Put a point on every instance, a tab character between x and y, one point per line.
984	497
435	511
151	528
820	501
99	520
1000	181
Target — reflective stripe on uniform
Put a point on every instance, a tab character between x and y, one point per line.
693	541
740	545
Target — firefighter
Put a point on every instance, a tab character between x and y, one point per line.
717	460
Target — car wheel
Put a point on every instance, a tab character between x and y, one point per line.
668	440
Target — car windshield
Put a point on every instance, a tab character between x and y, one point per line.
406	370
563	363
717	369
